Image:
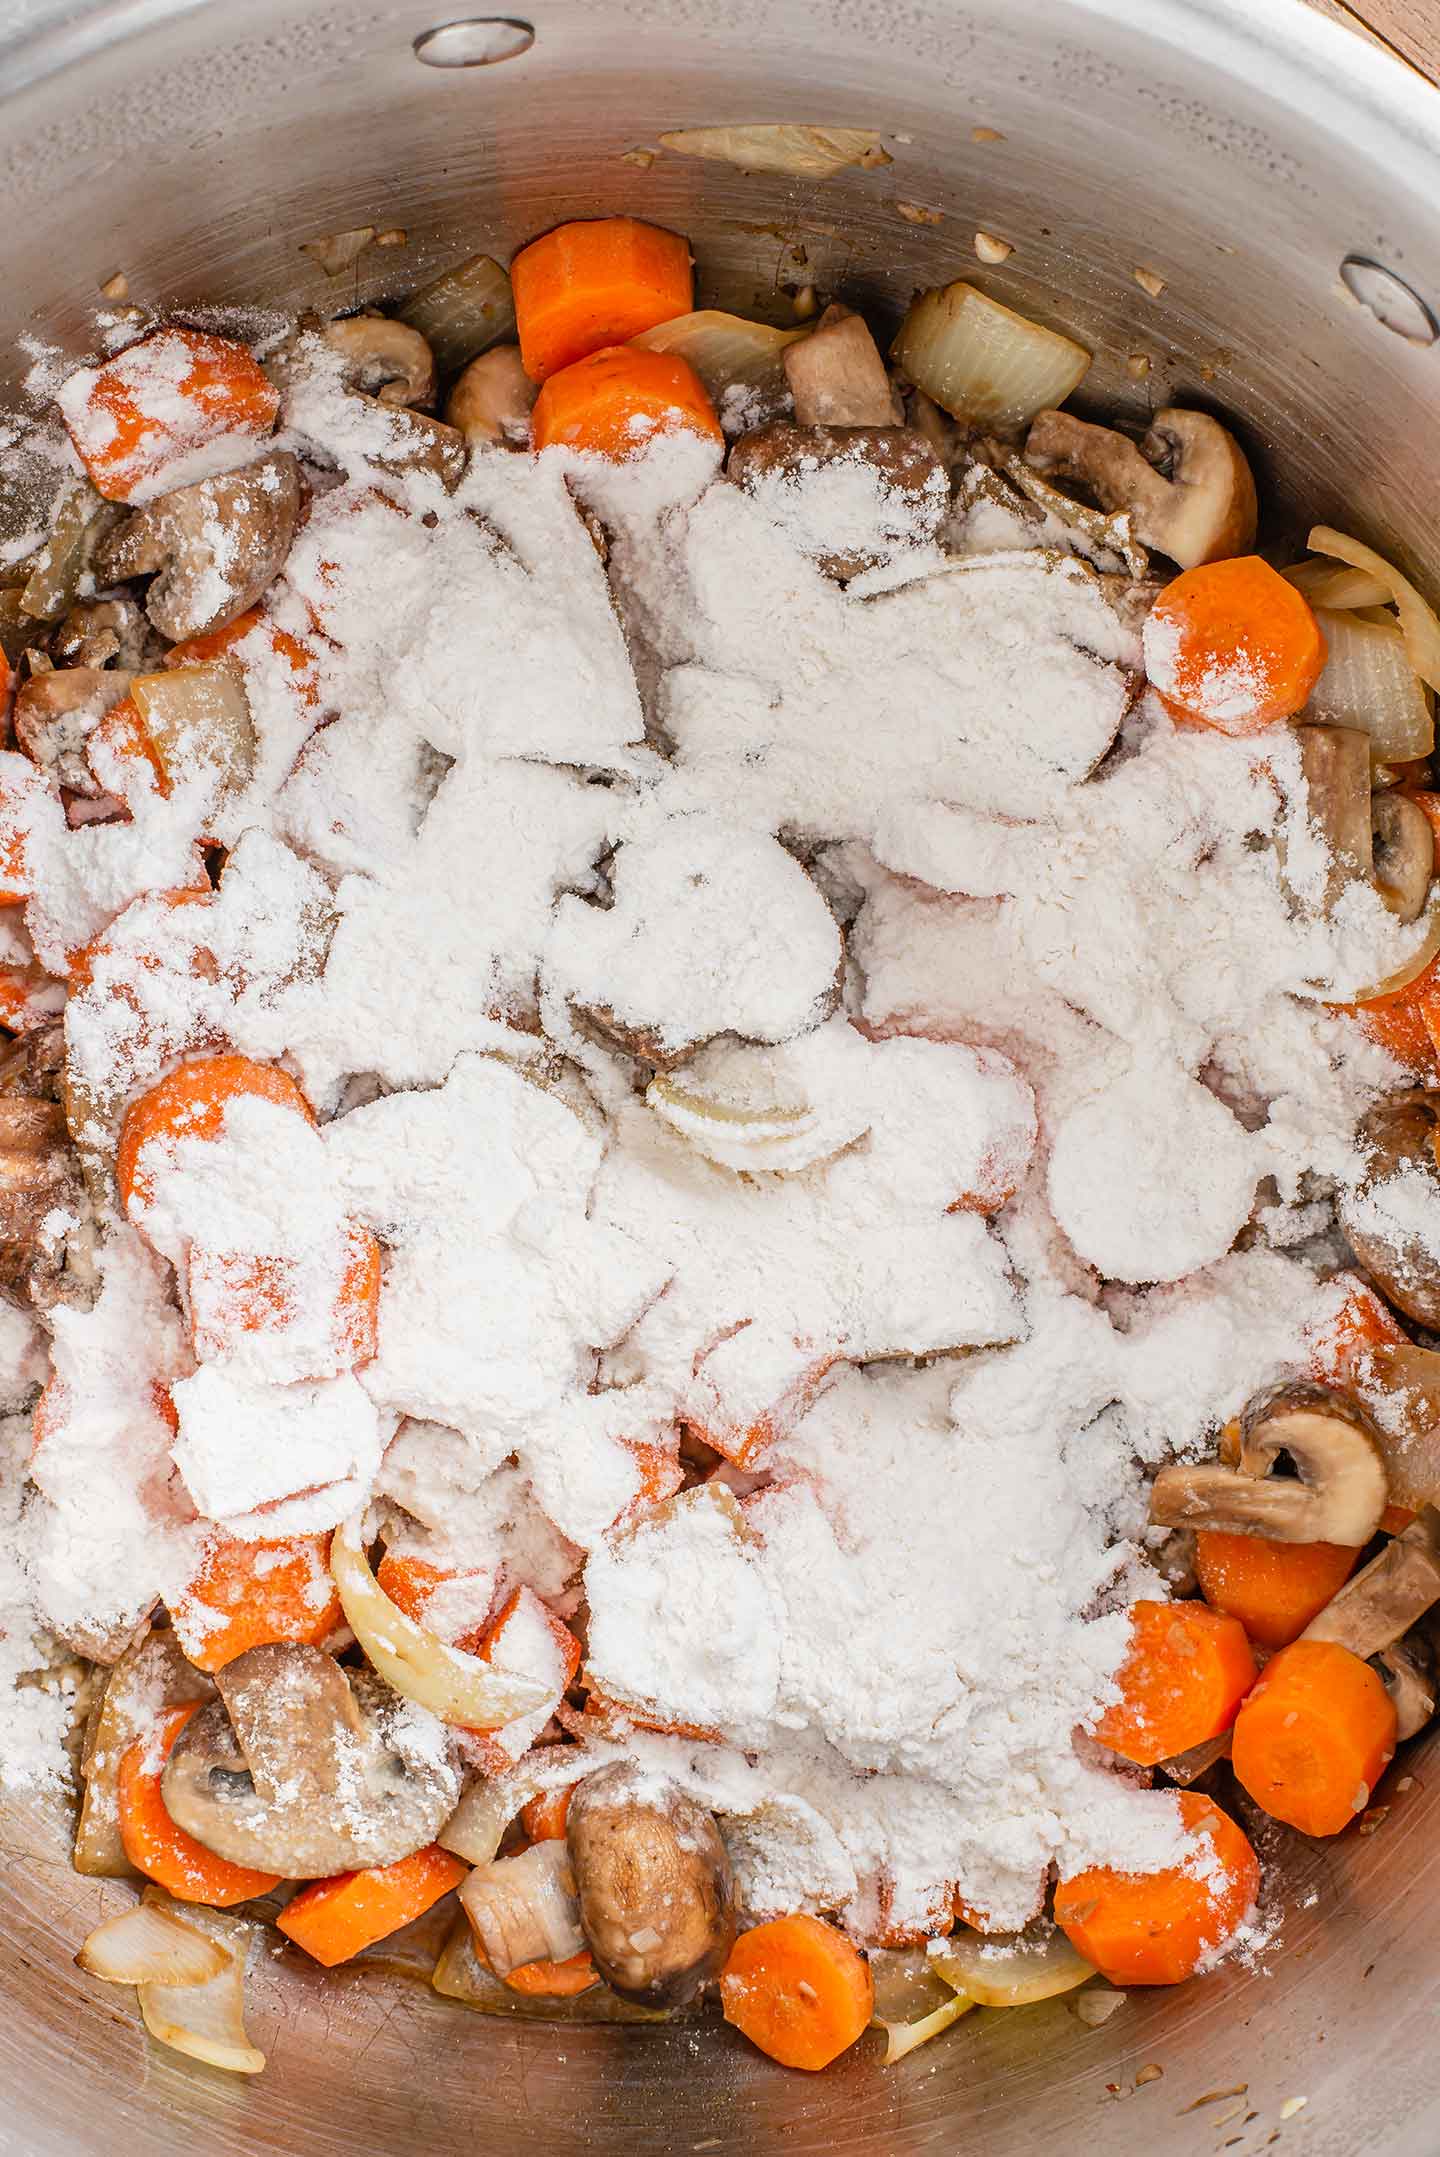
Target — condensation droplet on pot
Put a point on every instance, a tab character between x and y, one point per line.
990	248
475	41
1389	299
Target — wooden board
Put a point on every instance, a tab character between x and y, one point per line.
1409	27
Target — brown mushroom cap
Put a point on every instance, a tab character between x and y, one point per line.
1380	1603
385	359
1337	1496
837	377
47	1229
1397	1137
216	545
1403	852
304	1769
1204	511
54	715
493	399
1408	1668
656	1894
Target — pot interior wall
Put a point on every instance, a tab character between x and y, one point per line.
195	146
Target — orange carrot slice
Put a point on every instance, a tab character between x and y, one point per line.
245	1594
596	282
191	1103
334	1919
163	1851
798	1990
1156	1928
544	1818
138	420
1233	645
1273	1589
1314	1737
615	401
556	1980
220	643
1186	1672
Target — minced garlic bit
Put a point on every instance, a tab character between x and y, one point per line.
991	249
915	213
1291	2106
986	134
116	287
1150	281
393	236
1137	366
643	158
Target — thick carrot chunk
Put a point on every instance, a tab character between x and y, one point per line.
1233	645
191	1103
1187	1670
1314	1737
797	1989
617	399
1273	1589
334	1919
246	1594
163	1851
1157	1928
596	282
173	408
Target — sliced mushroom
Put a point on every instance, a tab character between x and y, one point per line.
304	1769
1403	851
1203	511
657	1902
1380	1603
54	715
837	377
1397	1139
47	1229
217	545
97	631
384	359
493	399
1408	1668
1337	1495
421	443
1335	763
524	1909
905	465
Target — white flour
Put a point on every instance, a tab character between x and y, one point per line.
525	809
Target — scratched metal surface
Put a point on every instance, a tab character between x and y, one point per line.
1237	150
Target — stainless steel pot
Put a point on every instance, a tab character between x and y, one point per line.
1238	149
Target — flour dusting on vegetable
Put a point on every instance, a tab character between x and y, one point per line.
719	1200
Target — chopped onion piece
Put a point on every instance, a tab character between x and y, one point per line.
336	252
1409	970
1096	2007
198	720
459	1688
808	153
904	2037
1332	584
982	362
727	352
475	1829
749	1108
205	2021
1368	682
147	1945
460	1975
906	1987
1418	624
463	312
1010	1972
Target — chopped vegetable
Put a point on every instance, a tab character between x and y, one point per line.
245	1593
1233	645
1186	1670
137	419
594	284
615	400
653	1876
334	1919
1010	1973
157	1847
1273	1589
146	1945
1314	1737
804	153
543	1819
192	1103
1418	623
151	1674
478	1823
461	1974
798	1990
728	352
1367	682
458	1688
207	2022
903	2038
1157	1928
981	362
194	720
463	312
524	1909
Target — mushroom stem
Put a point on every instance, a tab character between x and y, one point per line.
1204	511
524	1909
1385	1598
1337	1496
837	376
1335	765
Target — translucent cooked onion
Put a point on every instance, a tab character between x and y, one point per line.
1010	1972
198	720
906	1988
460	1975
808	153
459	1688
206	2021
982	362
726	351
475	1829
1409	970
749	1109
463	312
1334	584
1369	683
906	2037
337	252
1418	623
147	1945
